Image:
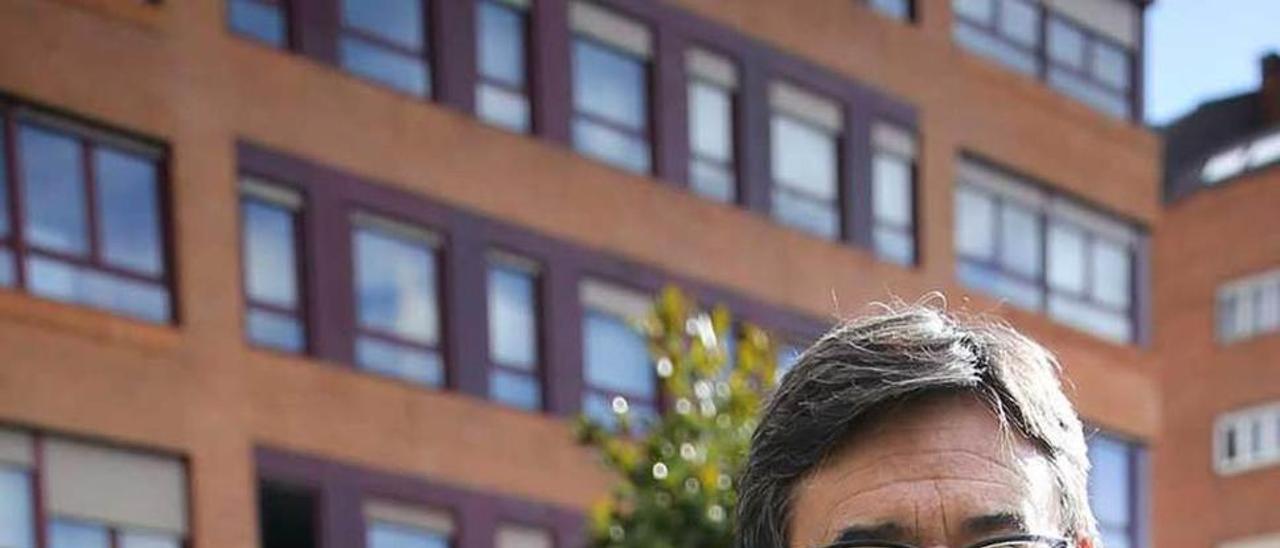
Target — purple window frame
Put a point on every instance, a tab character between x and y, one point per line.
341	489
1092	41
843	195
911	228
537	373
286	15
331	196
41	520
732	165
658	401
89	138
423	55
299	312
525	88
643	134
1138	465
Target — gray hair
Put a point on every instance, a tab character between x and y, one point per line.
865	366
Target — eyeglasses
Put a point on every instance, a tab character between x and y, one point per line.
1012	541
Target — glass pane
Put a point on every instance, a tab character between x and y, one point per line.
617	356
891	190
502	108
501	43
276	331
1020	240
518	390
53	191
513	322
385	66
1111	274
610	84
1066	258
975	224
1111	480
131	539
712	180
803	157
1091	93
128	211
983	42
390	535
785	358
1115	538
1088	317
73	534
817	217
400	361
1111	65
974	10
396	286
398	21
623	150
897	9
270	260
1020	21
1016	291
895	245
64	282
16	514
258	20
1066	43
710	122
7	275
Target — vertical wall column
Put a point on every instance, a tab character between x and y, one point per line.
453	32
464	310
550	70
561	317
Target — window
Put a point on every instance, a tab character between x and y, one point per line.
287	516
385	41
263	20
893	167
393	525
611	87
1089	67
1007	31
91	229
513	332
1258	152
902	10
786	358
1249	307
502	94
522	536
1247	440
1044	252
1115	487
17	494
619	374
80	487
269	234
713	81
397	295
804	142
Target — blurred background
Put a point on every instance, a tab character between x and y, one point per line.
341	273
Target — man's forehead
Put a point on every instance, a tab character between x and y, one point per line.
943	452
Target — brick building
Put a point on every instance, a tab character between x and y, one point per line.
305	273
1218	299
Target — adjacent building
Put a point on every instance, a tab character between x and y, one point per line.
1218	299
337	273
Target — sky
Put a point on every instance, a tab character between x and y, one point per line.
1199	50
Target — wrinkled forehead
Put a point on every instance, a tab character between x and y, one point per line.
936	468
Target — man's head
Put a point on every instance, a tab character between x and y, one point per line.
914	427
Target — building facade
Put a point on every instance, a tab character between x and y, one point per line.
337	273
1220	311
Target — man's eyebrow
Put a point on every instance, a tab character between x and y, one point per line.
999	522
882	531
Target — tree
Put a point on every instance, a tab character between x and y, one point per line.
677	474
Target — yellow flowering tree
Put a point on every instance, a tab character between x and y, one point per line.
676	473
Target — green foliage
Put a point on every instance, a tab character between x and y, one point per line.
676	474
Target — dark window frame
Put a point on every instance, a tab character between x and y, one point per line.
427	56
843	195
89	137
912	229
301	260
647	134
734	165
343	488
1138	464
527	47
912	16
1091	40
538	373
286	8
332	195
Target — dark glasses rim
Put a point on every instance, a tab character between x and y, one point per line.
1048	541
